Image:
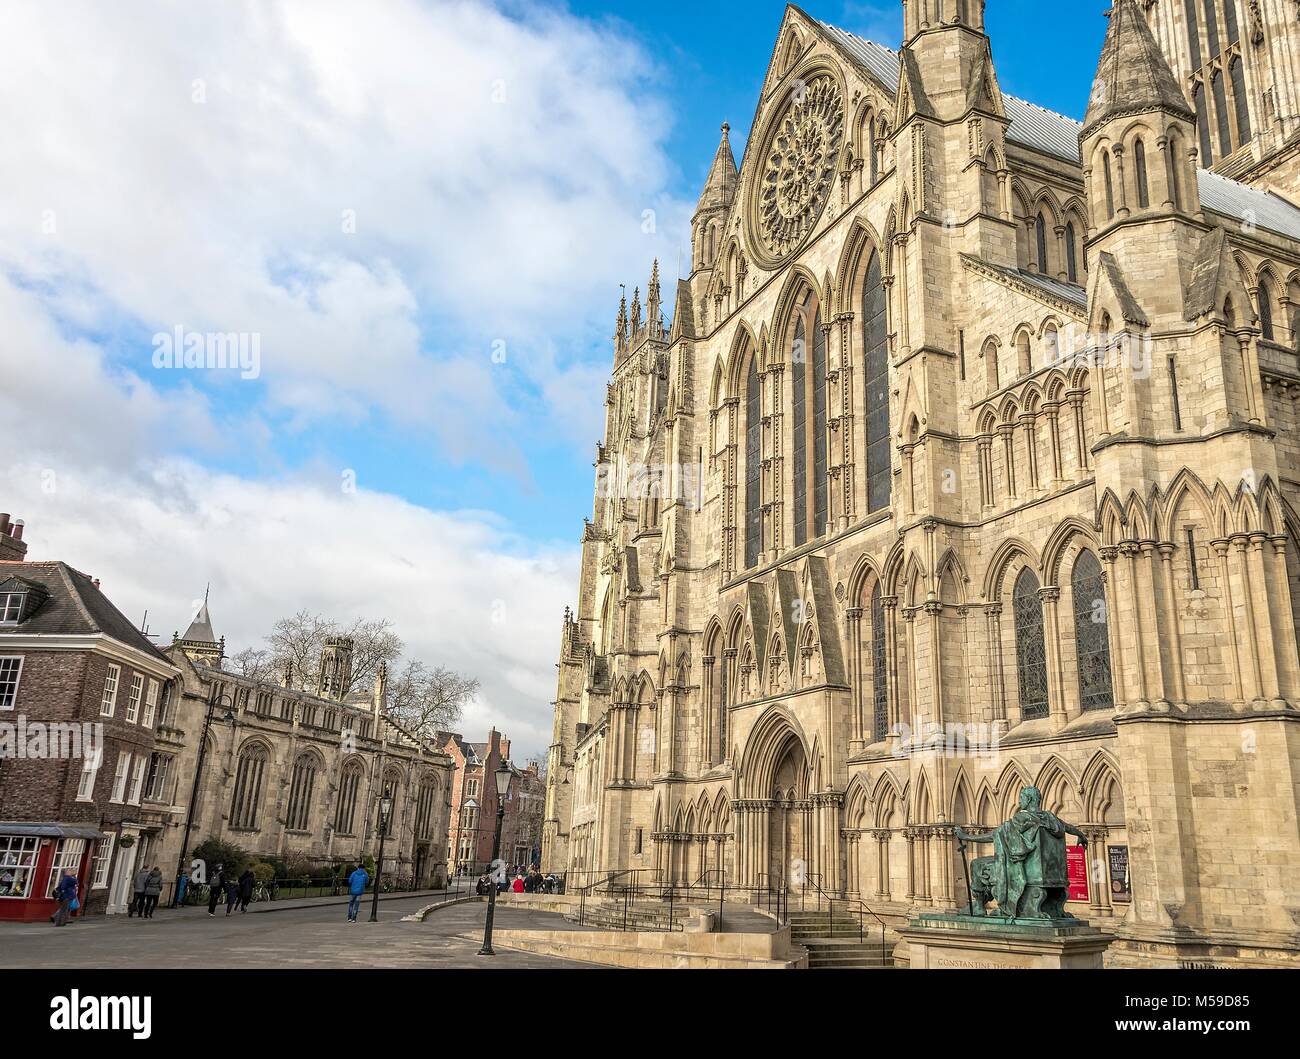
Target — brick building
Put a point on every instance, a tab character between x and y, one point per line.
474	803
81	694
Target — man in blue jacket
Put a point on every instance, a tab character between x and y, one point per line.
65	893
356	887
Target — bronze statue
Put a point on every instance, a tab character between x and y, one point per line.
1026	874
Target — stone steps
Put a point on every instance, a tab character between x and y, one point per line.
844	954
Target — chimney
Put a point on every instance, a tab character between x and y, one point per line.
12	545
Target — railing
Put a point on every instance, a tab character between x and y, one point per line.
856	905
772	890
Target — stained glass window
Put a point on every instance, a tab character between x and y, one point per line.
753	466
1031	653
821	484
1071	253
1203	126
1212	29
1221	113
879	692
876	371
1239	99
722	709
1090	635
1140	164
1193	33
799	393
1040	235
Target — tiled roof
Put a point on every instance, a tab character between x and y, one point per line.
74	607
1071	293
1032	126
1248	205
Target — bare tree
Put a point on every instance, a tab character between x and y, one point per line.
253	662
298	641
429	700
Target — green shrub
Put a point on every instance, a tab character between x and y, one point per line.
213	851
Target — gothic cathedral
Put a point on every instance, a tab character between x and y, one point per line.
967	461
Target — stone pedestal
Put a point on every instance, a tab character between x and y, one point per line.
938	941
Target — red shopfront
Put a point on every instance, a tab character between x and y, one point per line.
33	856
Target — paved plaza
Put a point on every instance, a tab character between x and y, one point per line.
309	934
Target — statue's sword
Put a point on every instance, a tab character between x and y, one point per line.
965	870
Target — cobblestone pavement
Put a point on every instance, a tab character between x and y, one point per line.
310	936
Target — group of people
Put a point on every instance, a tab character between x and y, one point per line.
148	885
237	892
531	882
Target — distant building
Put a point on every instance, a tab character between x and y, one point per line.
298	774
474	803
81	693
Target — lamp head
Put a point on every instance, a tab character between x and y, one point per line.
503	779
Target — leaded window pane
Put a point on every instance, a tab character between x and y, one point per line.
799	392
1071	252
1193	33
1203	126
1090	634
876	372
879	692
821	484
1031	653
753	466
1239	99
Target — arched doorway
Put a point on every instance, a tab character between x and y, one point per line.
787	822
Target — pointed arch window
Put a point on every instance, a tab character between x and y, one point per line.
722	707
1031	652
1174	157
1221	113
1212	28
1091	637
1203	126
1239	99
1040	234
346	810
753	464
1110	184
300	792
1140	173
1071	253
873	162
820	443
1230	21
799	394
1266	309
879	670
250	776
875	345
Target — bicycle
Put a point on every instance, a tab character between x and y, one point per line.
261	893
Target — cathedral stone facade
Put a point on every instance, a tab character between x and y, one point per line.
967	461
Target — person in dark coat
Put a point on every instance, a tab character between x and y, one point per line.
152	890
136	908
232	893
216	888
246	883
65	893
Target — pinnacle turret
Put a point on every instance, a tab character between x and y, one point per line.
1133	76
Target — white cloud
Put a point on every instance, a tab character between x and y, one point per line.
375	193
460	589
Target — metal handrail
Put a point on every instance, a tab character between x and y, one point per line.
862	905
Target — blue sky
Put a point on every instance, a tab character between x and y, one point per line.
423	214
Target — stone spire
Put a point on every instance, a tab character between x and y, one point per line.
654	303
1132	74
720	187
636	312
199	641
620	331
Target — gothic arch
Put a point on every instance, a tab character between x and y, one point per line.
1010	549
1058	544
743	347
799	280
773	734
859	244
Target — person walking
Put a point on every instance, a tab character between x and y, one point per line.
215	889
232	893
66	894
152	890
246	884
136	908
518	885
356	887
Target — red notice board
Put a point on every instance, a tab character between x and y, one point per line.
1076	872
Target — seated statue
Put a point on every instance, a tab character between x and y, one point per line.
1026	874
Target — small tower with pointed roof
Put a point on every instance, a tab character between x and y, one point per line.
200	643
715	200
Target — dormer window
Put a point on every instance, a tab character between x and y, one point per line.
11	607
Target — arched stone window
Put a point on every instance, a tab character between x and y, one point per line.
1140	173
1071	253
1230	20
1203	125
1174	158
424	805
1031	652
1266	309
1110	184
809	451
1040	235
1024	362
879	670
1212	28
250	775
1221	113
753	464
990	355
1239	99
345	809
1092	642
875	345
301	786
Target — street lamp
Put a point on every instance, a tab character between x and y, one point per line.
503	786
385	810
213	701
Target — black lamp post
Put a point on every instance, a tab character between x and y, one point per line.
213	701
502	775
385	810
